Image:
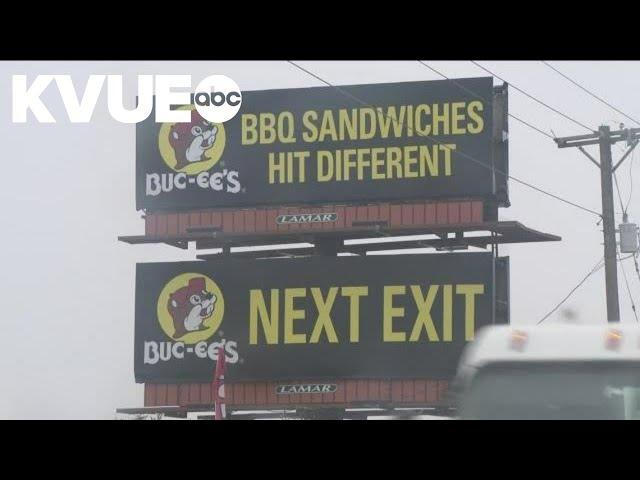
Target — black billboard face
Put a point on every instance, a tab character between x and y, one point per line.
312	145
395	316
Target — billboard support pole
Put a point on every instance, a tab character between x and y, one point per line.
604	138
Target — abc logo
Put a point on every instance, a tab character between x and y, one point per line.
217	98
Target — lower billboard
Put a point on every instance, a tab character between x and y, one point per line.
382	316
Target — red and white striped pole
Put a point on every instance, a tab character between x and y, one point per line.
218	385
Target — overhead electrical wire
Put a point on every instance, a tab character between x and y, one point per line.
615	109
624	274
590	92
533	127
630	181
482	98
598	266
635	261
623	206
513	116
459	152
624	210
595	268
600	263
534	98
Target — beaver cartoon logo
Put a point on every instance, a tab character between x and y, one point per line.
190	141
190	308
192	147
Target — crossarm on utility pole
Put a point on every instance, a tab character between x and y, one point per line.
563	142
580	143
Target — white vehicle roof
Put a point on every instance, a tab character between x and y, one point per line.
508	343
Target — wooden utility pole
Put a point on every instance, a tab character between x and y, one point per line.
605	138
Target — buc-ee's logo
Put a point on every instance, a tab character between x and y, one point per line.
217	98
191	149
190	310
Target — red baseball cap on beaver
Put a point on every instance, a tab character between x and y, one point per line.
184	128
195	285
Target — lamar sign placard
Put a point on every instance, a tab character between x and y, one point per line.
313	145
346	317
307	388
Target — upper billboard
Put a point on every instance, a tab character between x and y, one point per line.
394	316
361	143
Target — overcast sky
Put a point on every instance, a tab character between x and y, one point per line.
68	191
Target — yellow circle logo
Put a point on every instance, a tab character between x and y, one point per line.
190	308
191	147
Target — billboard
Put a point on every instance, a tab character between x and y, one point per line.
395	316
396	142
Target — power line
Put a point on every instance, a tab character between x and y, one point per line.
615	178
595	268
630	180
533	127
460	152
590	93
624	210
534	98
635	261
624	274
568	202
600	99
598	266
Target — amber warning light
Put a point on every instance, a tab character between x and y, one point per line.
613	339
518	340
